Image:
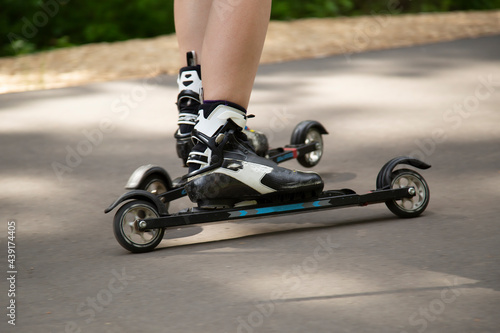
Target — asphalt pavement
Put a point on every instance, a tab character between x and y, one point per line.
66	154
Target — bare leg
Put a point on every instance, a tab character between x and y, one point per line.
223	169
228	36
191	17
232	47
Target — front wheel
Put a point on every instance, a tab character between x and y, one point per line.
156	184
414	206
307	132
126	227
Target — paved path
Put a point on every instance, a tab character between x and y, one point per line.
65	155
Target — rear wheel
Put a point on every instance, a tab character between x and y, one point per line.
127	231
306	132
416	205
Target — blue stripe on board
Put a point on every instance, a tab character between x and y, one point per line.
285	157
283	208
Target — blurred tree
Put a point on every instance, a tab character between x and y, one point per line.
31	25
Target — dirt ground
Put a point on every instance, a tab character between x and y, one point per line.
299	39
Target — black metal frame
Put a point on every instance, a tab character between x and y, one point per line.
289	152
339	198
327	200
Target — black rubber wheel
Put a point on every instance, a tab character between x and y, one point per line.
306	132
126	229
156	184
414	206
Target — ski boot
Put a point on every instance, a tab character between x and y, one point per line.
225	171
188	102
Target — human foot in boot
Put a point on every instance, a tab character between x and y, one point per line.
224	170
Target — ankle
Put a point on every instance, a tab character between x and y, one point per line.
215	120
212	117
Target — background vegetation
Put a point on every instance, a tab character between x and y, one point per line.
32	25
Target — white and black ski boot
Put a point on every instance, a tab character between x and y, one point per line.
188	102
225	171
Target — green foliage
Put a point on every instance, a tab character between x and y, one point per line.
290	9
31	25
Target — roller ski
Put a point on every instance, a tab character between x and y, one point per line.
229	181
232	175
